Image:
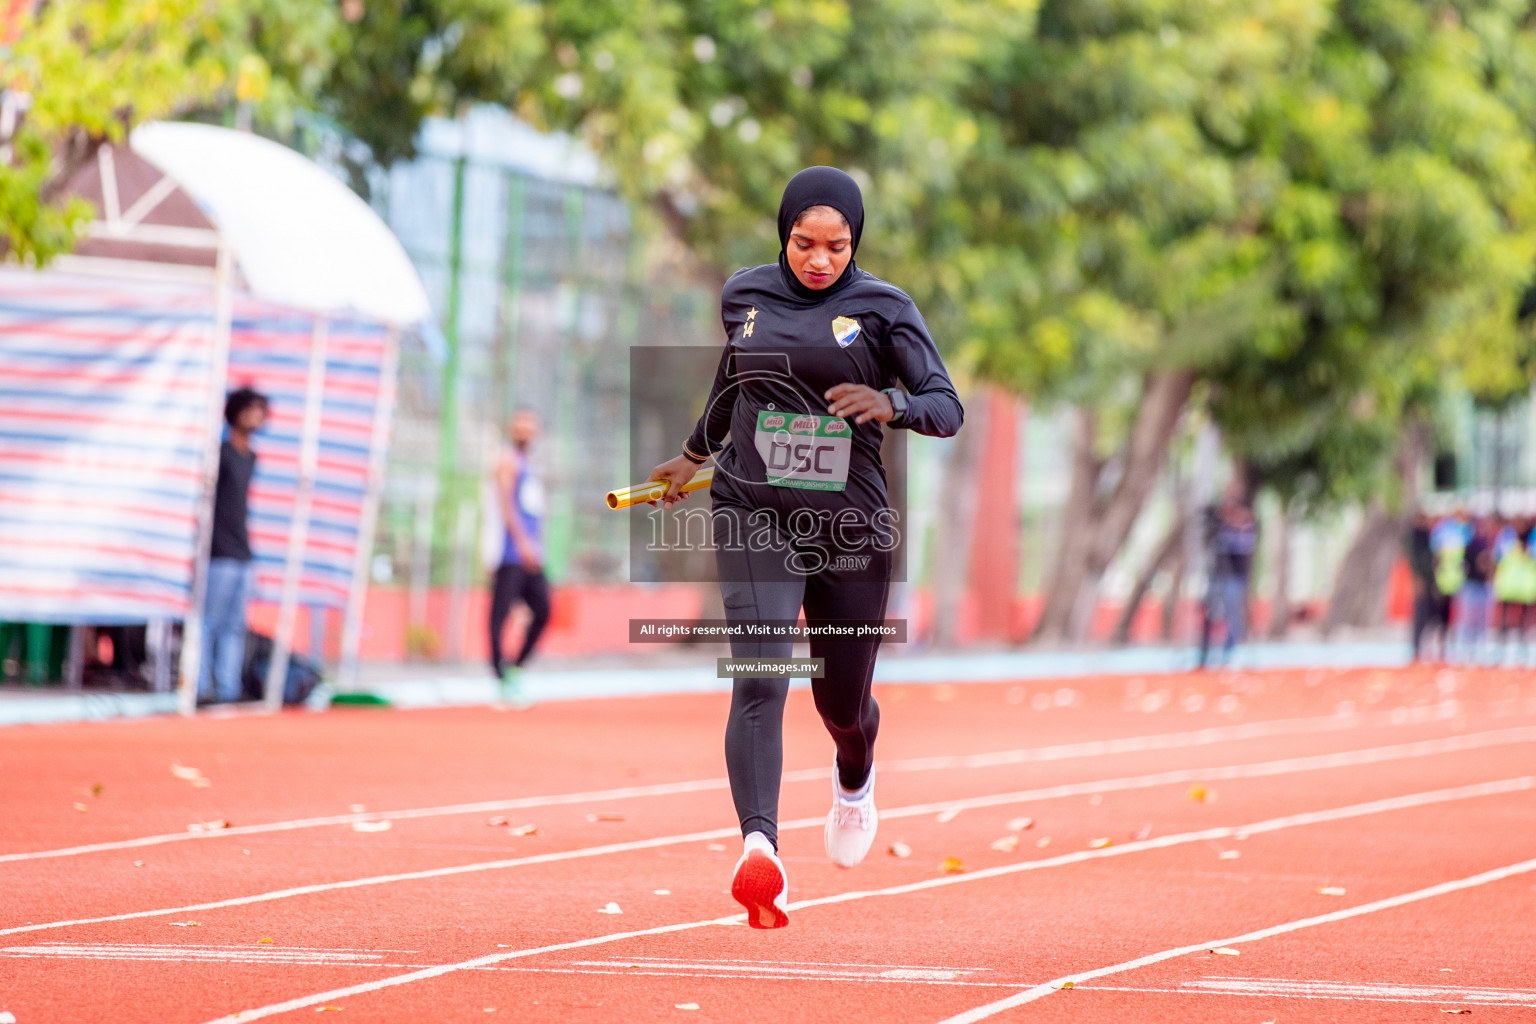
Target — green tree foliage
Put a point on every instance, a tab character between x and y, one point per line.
85	72
1406	230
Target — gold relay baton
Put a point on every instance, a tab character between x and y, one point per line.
640	493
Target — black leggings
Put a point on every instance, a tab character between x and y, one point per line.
756	585
514	583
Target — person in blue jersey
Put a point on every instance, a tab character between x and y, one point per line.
820	358
230	579
520	576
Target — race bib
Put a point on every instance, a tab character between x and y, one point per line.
806	451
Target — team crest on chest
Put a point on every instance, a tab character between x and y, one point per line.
845	329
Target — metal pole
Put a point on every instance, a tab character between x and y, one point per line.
512	290
158	640
298	531
213	435
448	427
378	448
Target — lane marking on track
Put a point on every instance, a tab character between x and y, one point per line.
1058	752
1262	769
1041	991
889	978
1381	992
1271	825
204	954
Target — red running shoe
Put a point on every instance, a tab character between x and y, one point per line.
760	884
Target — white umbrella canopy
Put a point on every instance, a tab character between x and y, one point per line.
300	237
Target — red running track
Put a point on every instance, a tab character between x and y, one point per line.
1366	842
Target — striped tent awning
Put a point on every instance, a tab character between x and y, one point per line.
104	392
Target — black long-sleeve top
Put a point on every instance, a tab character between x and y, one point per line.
783	351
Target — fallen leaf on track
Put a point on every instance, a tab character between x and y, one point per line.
372	826
201	783
185	924
96	789
1143	832
181	771
606	816
951	865
686	1006
611	908
1007	844
496	821
715	846
1226	951
524	830
1199	794
1067	984
1043	842
661	892
1330	890
899	849
208	826
947	815
1021	824
1455	1011
322	1009
138	863
263	940
1229	854
357	808
1099	844
80	807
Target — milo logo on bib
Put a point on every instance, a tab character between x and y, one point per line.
812	454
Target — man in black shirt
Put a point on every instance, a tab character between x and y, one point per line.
1231	534
1431	609
229	564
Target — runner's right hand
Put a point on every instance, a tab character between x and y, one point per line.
674	473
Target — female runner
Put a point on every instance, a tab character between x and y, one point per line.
815	349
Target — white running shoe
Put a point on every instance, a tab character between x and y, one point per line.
851	823
760	884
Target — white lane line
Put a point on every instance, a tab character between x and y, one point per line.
1375	991
1285	766
1271	825
1059	752
892	979
1041	991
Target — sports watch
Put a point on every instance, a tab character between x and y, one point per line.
898	399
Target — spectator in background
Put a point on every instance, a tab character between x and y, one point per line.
1231	533
229	565
1514	587
520	577
1431	608
1473	601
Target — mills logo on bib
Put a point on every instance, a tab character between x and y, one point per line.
845	329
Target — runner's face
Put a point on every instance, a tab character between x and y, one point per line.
523	429
252	417
819	248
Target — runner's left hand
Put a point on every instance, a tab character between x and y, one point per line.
860	402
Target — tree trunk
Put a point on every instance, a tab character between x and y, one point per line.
1091	543
1166	552
957	518
1076	523
1280	606
1360	588
1175	591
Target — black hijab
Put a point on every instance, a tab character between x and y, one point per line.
819	186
